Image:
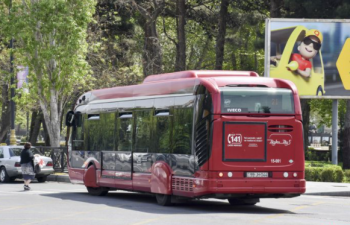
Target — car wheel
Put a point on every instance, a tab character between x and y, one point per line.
238	201
100	191
163	200
42	179
4	177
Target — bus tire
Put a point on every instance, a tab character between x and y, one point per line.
239	201
163	200
99	191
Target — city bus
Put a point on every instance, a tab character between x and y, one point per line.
190	135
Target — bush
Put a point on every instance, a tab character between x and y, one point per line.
313	173
347	175
328	173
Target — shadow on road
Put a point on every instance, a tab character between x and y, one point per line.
146	203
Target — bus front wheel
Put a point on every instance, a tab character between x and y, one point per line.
99	191
164	200
239	201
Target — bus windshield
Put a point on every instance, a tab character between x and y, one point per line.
256	100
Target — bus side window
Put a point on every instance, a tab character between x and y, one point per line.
124	127
182	137
107	122
78	136
94	133
143	131
163	131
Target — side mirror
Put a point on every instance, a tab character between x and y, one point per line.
70	118
78	119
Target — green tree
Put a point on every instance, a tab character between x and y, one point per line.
50	37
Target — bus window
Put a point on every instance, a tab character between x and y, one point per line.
257	100
108	124
182	130
163	129
143	131
94	133
124	128
78	136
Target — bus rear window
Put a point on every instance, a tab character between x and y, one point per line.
256	100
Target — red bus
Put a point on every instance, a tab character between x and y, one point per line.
191	134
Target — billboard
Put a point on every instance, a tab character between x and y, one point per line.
314	54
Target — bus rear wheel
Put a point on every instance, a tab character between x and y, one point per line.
100	191
239	201
163	200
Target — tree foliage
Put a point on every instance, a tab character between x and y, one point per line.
50	37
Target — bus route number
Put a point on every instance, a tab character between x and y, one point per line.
276	160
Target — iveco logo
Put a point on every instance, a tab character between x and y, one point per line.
234	110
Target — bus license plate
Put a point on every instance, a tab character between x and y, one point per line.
257	174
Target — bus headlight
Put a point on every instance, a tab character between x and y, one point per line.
229	174
285	174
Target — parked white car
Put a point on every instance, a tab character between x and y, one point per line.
10	167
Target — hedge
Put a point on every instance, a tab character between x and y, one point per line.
329	173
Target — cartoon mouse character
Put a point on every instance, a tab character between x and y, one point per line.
308	49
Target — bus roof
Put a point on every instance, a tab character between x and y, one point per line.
184	82
198	74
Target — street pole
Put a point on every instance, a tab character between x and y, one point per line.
335	132
13	131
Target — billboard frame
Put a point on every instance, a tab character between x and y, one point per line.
268	46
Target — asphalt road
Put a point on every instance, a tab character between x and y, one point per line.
55	203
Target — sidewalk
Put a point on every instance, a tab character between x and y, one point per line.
312	188
327	189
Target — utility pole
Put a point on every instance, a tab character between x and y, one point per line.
13	131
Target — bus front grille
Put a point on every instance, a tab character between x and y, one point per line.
182	184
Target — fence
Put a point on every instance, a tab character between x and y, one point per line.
58	156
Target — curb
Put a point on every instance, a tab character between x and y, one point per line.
58	178
338	193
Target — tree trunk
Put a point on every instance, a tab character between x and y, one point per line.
305	108
46	135
346	138
5	113
220	40
36	120
198	65
233	60
152	54
275	8
180	63
52	113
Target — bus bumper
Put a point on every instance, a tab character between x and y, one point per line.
249	187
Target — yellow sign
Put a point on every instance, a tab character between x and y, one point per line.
343	64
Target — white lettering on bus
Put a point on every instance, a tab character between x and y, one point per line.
234	110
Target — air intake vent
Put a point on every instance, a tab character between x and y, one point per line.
202	146
182	184
280	128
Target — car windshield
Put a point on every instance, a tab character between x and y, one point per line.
17	151
256	100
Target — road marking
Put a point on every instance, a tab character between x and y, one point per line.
282	214
19	207
65	216
150	220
